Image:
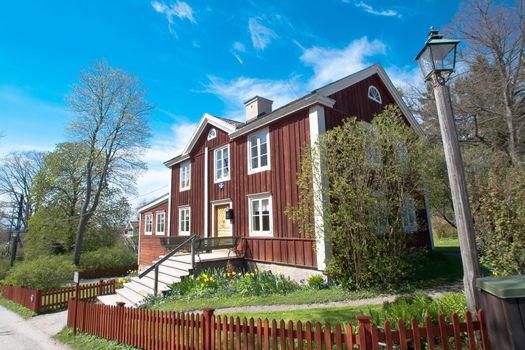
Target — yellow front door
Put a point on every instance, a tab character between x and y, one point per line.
223	226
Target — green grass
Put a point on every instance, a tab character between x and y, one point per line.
19	309
446	242
83	341
332	315
442	266
304	296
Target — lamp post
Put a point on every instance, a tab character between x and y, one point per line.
437	60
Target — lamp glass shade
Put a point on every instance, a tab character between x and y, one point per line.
425	62
444	56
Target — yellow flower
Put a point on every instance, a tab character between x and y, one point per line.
234	273
211	279
202	285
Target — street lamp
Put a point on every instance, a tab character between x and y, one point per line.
437	60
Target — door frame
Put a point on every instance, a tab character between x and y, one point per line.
213	205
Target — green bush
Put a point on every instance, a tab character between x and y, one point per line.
4	268
420	305
45	273
316	282
216	282
115	256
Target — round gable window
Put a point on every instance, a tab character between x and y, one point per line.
212	134
373	94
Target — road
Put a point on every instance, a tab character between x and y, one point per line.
32	334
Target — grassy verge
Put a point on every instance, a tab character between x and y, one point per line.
446	242
332	315
19	309
83	341
304	296
442	266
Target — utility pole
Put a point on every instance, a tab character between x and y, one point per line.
15	237
437	60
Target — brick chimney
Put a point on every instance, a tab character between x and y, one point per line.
257	106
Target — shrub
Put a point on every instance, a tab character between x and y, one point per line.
420	305
216	282
316	282
45	273
4	268
115	256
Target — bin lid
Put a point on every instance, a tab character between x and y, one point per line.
503	287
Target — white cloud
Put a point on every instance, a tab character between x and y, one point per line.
179	9
330	64
237	49
260	35
369	9
237	91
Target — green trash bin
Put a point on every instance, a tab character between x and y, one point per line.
503	299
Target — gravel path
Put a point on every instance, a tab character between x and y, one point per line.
32	334
456	287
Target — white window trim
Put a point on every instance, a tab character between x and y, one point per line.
185	233
182	189
222	179
146	232
157	232
260	196
377	99
211	134
264	168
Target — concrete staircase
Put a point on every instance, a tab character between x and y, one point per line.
170	271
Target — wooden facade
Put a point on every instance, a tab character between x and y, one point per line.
149	244
288	136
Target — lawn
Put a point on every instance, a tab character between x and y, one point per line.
446	242
442	266
83	341
19	309
332	315
303	296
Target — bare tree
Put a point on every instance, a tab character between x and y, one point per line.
17	171
112	123
491	94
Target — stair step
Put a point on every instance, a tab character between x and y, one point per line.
149	282
133	296
163	278
145	286
112	299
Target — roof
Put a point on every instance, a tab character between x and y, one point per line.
318	96
153	203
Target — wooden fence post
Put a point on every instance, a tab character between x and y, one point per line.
37	303
208	330
364	332
101	287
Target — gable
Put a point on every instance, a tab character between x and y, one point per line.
221	138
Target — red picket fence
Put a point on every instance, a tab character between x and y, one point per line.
151	329
40	301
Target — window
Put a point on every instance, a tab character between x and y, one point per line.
258	156
184	221
260	215
222	164
409	217
185	174
160	223
373	94
212	134
148	224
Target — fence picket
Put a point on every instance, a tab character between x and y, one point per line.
153	329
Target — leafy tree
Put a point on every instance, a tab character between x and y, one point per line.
372	177
58	190
112	125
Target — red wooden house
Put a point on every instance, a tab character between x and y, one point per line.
237	178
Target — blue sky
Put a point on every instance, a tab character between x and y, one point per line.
195	57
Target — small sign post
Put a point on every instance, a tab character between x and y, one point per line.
76	279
